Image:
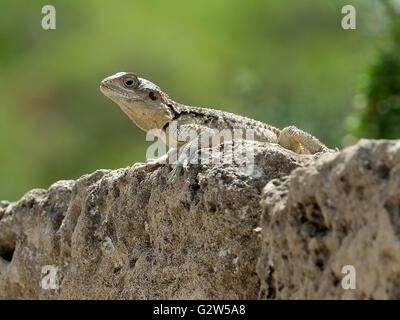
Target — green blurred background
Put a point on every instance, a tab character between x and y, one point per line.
281	62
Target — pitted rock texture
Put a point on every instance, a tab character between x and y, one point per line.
343	210
127	235
283	230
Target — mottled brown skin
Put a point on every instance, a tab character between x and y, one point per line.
151	108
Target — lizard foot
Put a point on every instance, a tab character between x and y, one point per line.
140	166
174	174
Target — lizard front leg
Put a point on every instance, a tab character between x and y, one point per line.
301	142
201	138
154	163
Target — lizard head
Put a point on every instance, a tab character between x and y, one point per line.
142	101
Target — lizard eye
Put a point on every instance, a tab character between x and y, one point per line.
130	82
152	96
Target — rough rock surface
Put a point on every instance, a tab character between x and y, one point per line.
283	231
343	210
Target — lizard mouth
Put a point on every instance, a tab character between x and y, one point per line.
104	87
116	93
108	90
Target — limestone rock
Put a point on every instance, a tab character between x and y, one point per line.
126	235
343	210
282	230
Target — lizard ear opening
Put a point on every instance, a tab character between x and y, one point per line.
152	96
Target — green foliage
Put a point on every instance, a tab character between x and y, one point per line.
276	61
378	107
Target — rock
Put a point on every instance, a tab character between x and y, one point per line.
342	211
282	230
127	235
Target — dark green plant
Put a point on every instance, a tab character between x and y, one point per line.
378	110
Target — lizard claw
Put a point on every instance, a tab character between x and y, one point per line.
140	166
149	165
174	174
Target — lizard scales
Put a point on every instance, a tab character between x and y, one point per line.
151	108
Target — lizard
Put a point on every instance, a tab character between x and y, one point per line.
150	108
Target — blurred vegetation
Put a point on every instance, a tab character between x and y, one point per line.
278	62
377	107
